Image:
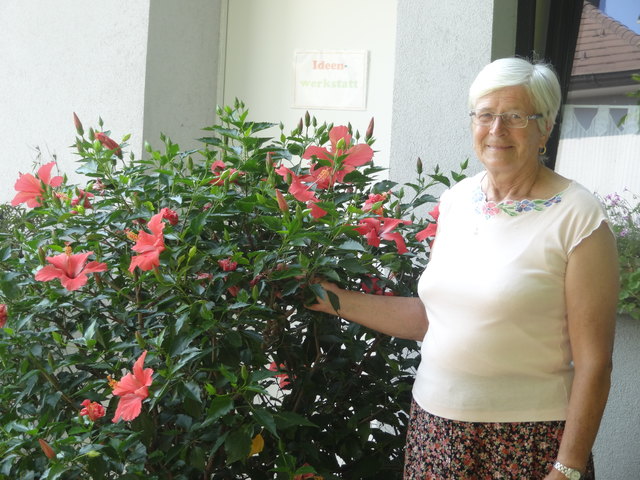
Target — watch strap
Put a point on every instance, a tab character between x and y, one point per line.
570	473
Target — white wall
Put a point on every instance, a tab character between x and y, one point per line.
58	58
262	36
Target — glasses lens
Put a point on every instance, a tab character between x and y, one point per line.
509	119
515	119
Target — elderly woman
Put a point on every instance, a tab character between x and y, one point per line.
516	307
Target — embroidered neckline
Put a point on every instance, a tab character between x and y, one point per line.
511	207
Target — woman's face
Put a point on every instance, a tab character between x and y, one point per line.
502	149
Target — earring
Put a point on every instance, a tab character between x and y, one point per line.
542	151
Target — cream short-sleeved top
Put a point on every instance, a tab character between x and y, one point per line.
497	347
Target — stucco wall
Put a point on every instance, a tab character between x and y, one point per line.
58	58
143	67
617	449
440	48
181	70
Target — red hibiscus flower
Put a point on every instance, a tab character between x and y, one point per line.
149	246
375	289
30	188
343	160
283	378
71	269
170	215
92	409
82	199
219	169
301	192
109	143
3	315
132	390
432	228
375	198
227	265
376	229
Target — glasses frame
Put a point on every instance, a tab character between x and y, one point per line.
473	115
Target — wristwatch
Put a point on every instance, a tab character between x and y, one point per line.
570	473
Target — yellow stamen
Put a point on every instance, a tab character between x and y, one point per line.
112	383
131	235
68	250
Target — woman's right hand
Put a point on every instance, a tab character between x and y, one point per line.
323	303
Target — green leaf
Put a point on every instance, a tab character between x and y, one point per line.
219	407
286	419
237	445
352	245
265	419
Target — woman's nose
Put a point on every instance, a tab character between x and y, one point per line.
497	126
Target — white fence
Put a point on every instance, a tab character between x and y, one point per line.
597	151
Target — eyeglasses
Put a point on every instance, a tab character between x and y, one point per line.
509	119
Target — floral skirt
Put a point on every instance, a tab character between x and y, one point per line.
442	449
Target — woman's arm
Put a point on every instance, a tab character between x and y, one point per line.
592	282
402	317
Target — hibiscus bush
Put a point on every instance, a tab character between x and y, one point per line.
154	317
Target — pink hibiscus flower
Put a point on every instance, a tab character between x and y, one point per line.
3	315
132	390
354	156
432	228
92	409
149	246
381	228
30	188
71	269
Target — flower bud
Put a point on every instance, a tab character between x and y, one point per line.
300	125
282	202
419	166
3	315
369	132
46	448
307	119
78	124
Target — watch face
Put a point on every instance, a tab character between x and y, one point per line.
574	475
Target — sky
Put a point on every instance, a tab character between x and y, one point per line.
626	12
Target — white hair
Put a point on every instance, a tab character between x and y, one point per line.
538	79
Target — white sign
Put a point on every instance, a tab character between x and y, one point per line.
330	79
